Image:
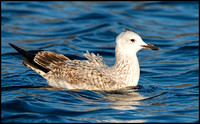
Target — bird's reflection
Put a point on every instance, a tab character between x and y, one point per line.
89	101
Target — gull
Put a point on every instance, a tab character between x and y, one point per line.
93	73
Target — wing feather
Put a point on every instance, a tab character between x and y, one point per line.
46	58
95	60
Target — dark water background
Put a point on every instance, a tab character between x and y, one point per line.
168	88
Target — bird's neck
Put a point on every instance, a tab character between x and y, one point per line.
128	68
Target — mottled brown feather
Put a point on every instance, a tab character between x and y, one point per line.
75	72
45	58
80	75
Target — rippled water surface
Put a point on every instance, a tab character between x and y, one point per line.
168	89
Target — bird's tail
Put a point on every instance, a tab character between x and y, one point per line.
29	56
29	60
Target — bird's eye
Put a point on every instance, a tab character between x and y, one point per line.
132	40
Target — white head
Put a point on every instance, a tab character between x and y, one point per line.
128	43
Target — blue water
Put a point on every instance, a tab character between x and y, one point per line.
168	89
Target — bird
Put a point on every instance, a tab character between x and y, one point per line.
93	73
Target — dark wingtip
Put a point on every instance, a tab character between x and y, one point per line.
24	53
29	56
11	44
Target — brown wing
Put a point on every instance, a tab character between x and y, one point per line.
46	58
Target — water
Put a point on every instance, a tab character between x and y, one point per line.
168	89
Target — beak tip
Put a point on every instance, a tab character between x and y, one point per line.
151	47
157	49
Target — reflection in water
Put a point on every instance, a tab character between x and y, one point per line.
126	99
122	121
